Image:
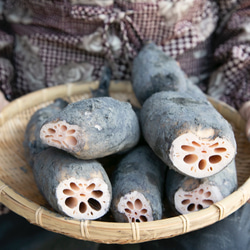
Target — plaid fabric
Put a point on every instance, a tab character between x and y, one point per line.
68	41
230	82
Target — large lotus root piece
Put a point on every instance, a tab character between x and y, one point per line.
135	207
93	128
83	199
187	133
77	188
197	199
187	194
137	186
199	158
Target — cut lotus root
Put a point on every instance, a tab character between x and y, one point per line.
81	199
197	199
135	207
200	158
61	135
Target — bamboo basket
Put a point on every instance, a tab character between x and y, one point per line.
18	190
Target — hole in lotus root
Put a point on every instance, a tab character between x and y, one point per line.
138	204
208	202
185	202
71	140
94	204
191	207
51	131
63	128
220	150
82	207
199	207
130	205
74	186
143	218
196	144
201	191
71	202
202	164
56	141
97	193
68	192
90	187
71	131
207	194
143	211
215	159
189	159
187	148
214	145
127	210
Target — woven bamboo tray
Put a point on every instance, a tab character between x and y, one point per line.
19	193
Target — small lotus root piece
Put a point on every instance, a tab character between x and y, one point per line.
197	199
135	207
83	199
187	194
200	158
32	142
77	188
137	186
93	128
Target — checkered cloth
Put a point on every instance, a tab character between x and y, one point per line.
47	43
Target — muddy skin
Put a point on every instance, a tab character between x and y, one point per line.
153	71
32	142
138	184
93	128
186	194
76	188
187	133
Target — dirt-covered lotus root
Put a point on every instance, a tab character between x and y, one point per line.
188	134
32	142
138	187
187	194
77	188
153	71
93	128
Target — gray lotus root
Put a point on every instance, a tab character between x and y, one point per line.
197	199
187	194
83	199
32	142
137	186
199	157
187	133
135	207
80	189
92	128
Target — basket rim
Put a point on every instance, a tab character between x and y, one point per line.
91	230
